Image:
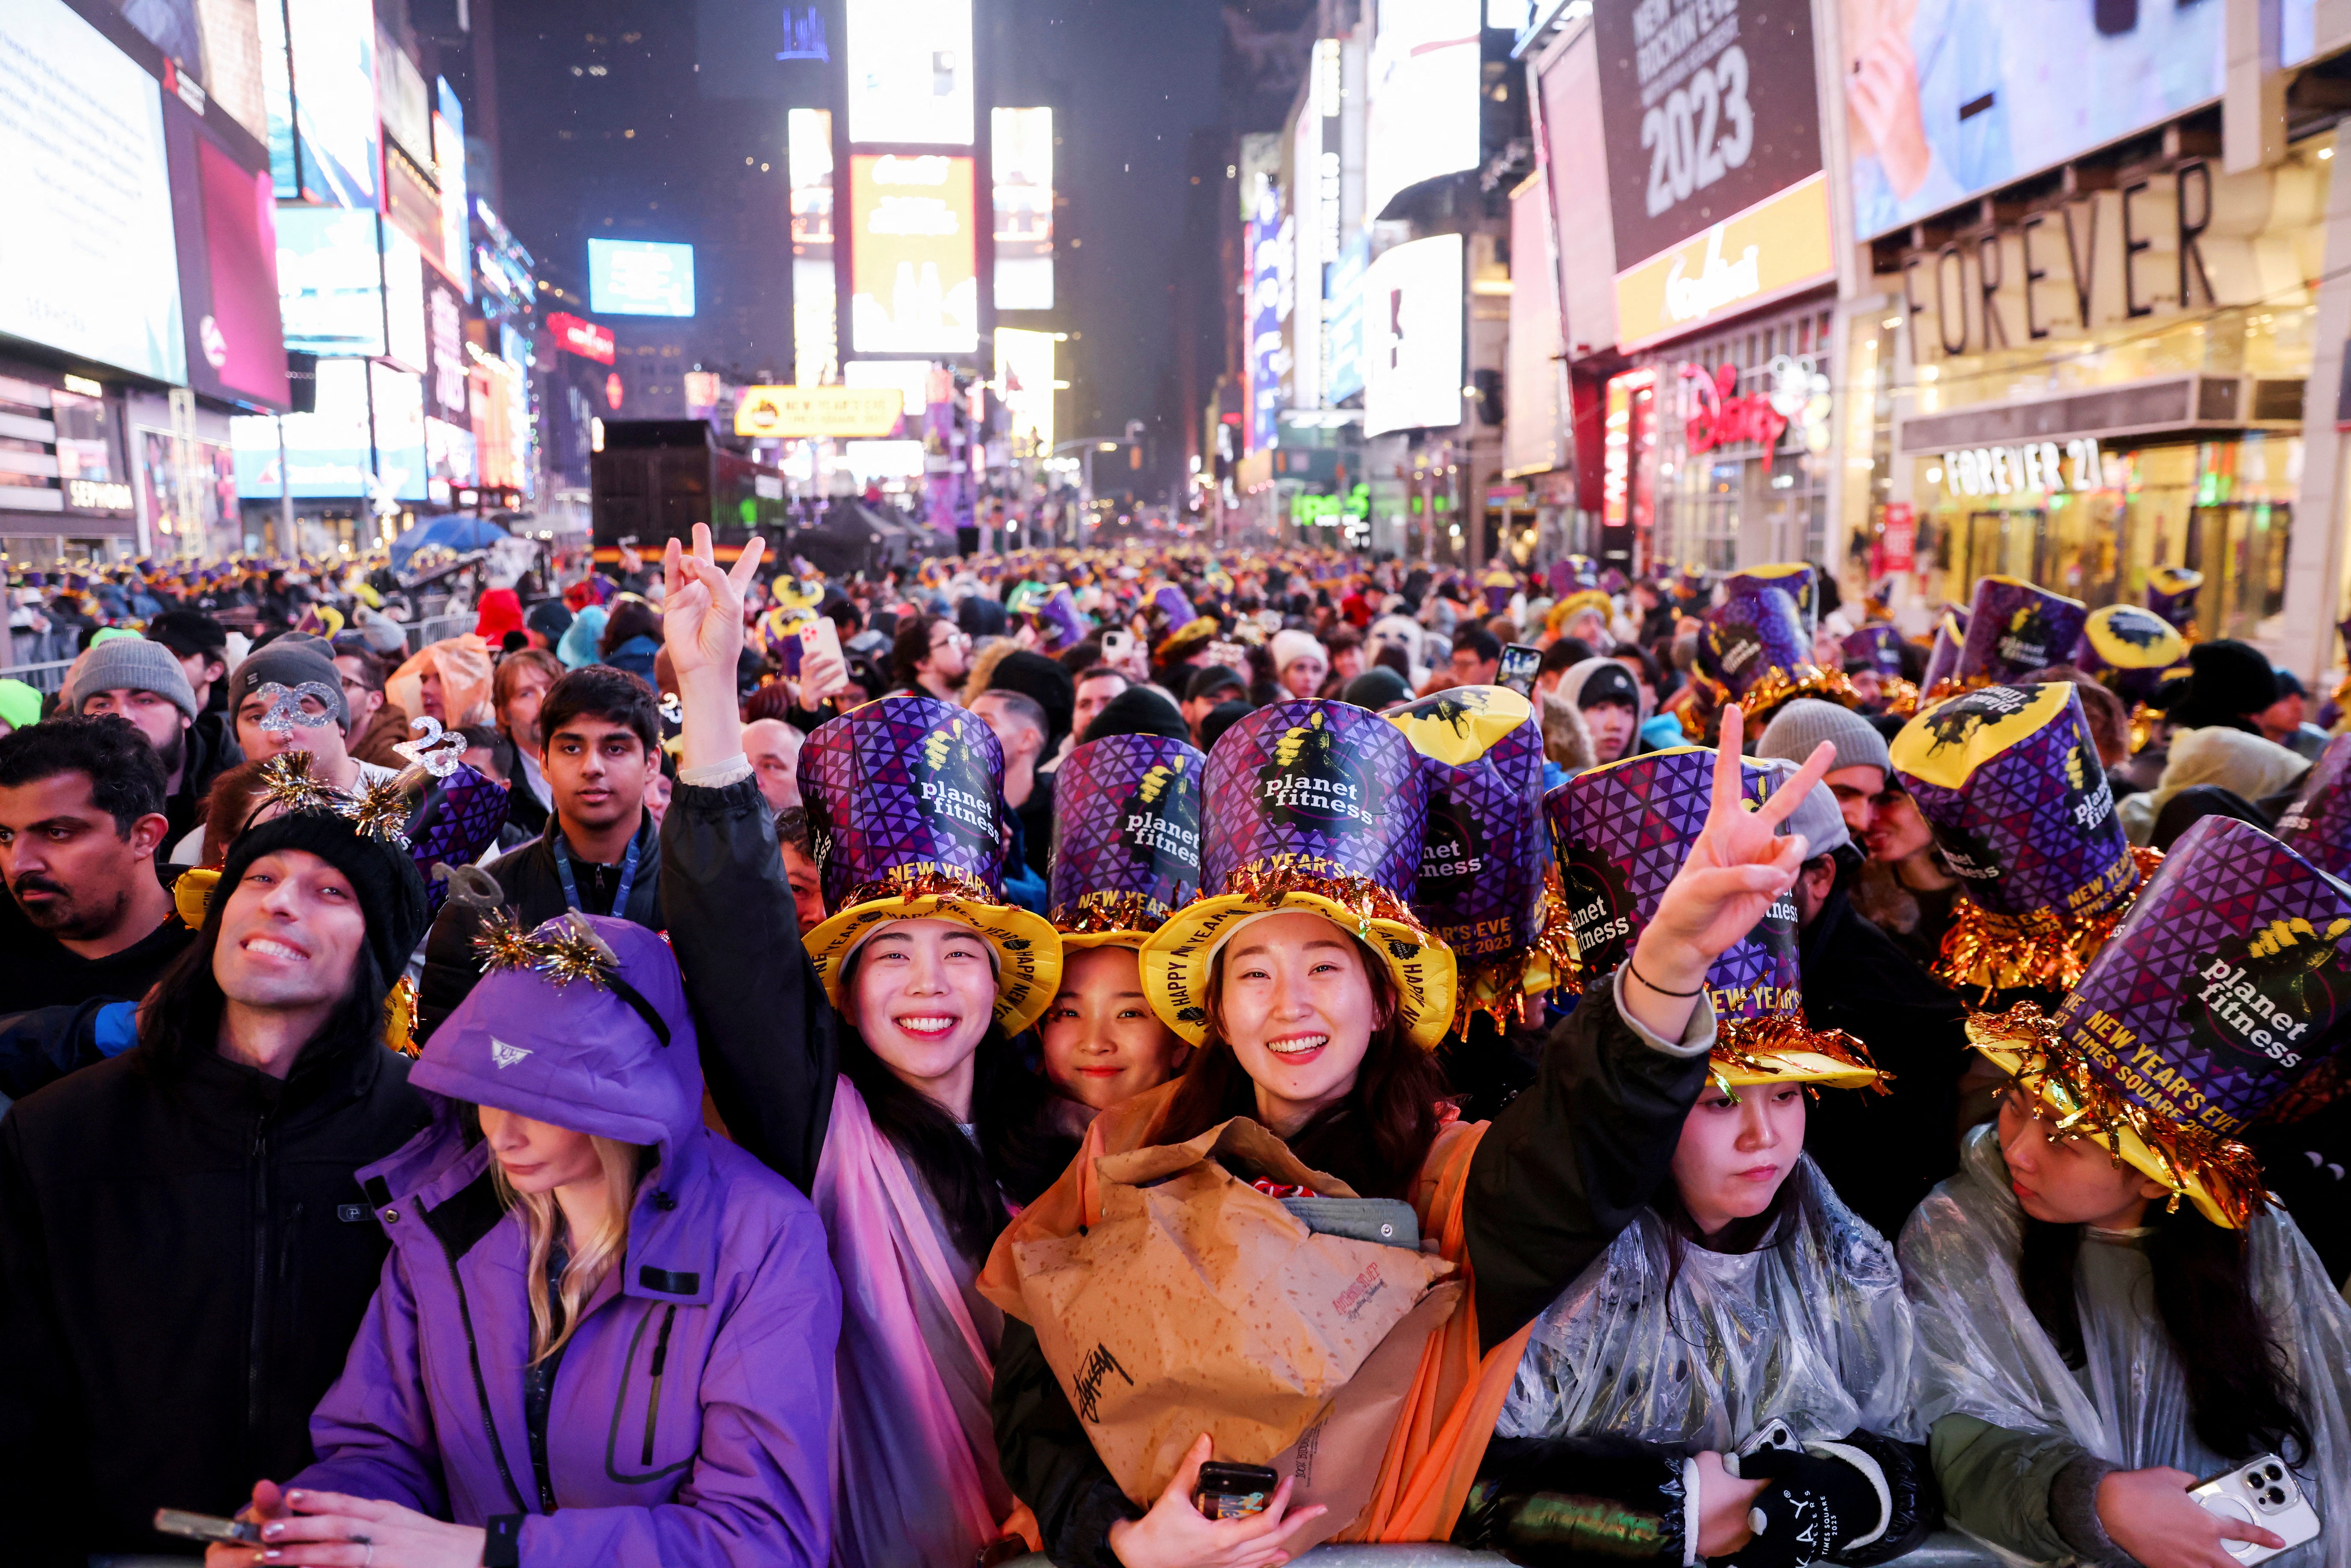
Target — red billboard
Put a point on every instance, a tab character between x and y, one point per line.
584	339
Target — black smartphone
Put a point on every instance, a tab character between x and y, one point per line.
211	1527
1519	663
1234	1491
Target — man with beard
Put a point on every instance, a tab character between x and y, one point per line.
145	683
81	815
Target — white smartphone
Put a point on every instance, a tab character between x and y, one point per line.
2261	1492
819	636
1116	646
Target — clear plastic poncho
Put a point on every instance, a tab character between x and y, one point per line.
1982	1353
1811	1327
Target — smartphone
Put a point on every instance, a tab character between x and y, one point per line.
1116	646
819	636
2262	1492
1519	663
205	1527
1234	1491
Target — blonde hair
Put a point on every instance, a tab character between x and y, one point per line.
592	1256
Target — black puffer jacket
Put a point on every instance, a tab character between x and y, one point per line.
184	1258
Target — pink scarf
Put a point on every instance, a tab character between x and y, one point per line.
914	1471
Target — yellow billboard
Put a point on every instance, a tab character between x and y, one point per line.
1772	249
792	412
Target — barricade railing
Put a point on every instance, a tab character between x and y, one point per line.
44	678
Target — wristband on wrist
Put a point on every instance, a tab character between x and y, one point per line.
1652	984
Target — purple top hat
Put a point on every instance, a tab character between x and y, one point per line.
1756	651
1943	658
1126	837
1171	603
2227	985
1793	578
455	824
1621	831
1483	854
1059	618
1613	581
2317	826
2014	628
905	786
2129	650
1879	644
2007	781
2171	593
1323	786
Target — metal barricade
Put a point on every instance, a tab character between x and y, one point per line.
44	678
438	628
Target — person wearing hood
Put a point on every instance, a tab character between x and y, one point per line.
569	1209
578	645
1610	699
2219	756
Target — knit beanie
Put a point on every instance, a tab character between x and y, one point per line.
380	872
1139	710
1803	724
1042	681
1289	647
2228	680
132	663
289	662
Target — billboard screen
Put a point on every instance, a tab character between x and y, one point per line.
1708	109
910	72
1950	100
913	258
1024	380
792	412
86	262
1412	297
403	297
228	267
329	450
816	345
398	398
330	281
1267	355
1342	287
640	277
449	169
910	378
1020	154
1425	97
332	43
446	363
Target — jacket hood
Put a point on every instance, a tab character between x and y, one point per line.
1571	684
578	1053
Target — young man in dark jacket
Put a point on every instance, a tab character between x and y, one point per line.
600	851
184	1252
88	913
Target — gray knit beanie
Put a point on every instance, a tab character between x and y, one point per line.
132	664
1806	721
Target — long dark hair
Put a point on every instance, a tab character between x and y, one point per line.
2239	1393
1375	1140
180	1021
1017	1156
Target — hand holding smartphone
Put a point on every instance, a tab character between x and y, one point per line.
823	669
206	1527
1519	663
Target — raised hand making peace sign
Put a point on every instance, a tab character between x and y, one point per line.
702	624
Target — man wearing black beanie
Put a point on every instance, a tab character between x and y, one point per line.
189	1251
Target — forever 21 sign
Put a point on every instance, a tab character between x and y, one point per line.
1708	108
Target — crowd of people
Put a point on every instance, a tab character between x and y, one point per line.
1166	1057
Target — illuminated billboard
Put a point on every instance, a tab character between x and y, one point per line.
330	281
397	400
1413	339
914	260
640	277
86	255
449	169
330	450
1024	380
911	379
797	412
1425	97
1021	155
910	72
1342	286
317	63
816	344
228	273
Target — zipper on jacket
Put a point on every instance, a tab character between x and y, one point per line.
535	1414
481	1387
653	1400
257	1320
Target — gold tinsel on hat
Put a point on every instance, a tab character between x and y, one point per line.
2066	1091
1901	695
1494	985
1951	687
378	812
1269	884
572	953
2041	947
920	880
1771	691
1099	912
1754	1044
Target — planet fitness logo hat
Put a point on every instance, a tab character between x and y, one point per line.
2171	593
1756	651
2014	628
1126	837
1793	578
2228	984
1486	848
1878	645
2129	650
2008	779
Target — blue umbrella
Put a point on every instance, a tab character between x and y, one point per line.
458	531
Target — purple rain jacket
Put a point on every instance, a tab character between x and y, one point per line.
690	1419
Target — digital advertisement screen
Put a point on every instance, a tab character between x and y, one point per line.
1424	97
815	343
330	281
1268	354
1702	122
330	451
1020	154
228	271
403	297
1024	380
640	277
1947	101
1412	297
399	409
913	258
332	43
87	259
1342	287
910	378
910	72
446	363
449	169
